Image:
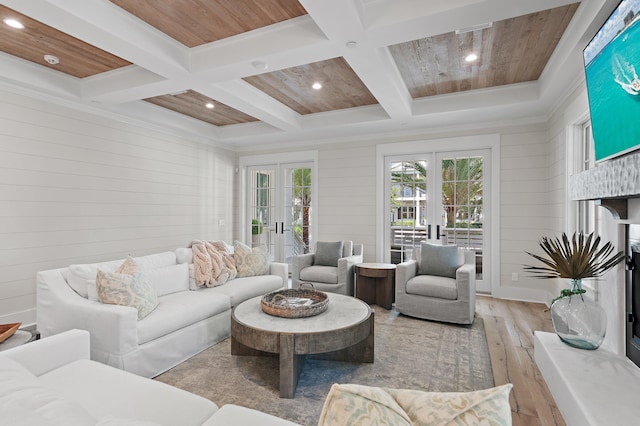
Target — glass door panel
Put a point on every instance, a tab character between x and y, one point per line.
262	207
280	209
462	194
408	216
297	211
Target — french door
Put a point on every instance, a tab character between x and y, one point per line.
441	198
279	208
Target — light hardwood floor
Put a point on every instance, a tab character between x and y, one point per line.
509	326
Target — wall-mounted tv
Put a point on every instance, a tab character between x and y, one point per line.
612	65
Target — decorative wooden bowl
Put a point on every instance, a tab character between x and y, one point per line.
295	303
7	330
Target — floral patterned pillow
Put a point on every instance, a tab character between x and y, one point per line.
127	287
356	405
250	261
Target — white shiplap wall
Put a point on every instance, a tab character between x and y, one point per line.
527	211
347	196
76	187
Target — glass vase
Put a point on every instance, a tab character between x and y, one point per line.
578	321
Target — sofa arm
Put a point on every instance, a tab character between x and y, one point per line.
282	270
346	271
297	264
113	328
404	272
44	355
466	282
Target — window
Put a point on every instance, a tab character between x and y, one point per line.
584	152
408	212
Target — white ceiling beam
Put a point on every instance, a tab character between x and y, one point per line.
391	22
106	26
341	21
162	117
286	44
244	97
127	84
19	71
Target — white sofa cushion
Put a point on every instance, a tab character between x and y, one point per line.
105	391
433	286
318	273
26	401
178	310
80	276
169	279
241	289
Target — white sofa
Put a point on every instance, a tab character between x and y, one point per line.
183	324
52	382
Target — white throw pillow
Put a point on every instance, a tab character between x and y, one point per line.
184	255
79	274
170	279
250	262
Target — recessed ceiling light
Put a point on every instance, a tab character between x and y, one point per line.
316	85
210	105
13	23
52	60
259	65
471	57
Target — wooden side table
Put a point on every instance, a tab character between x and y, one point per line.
376	283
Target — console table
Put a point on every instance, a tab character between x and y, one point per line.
376	283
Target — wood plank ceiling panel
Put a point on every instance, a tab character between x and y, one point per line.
341	87
36	39
192	103
197	22
511	51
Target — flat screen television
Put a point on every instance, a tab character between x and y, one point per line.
612	68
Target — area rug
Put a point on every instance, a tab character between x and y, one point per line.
409	353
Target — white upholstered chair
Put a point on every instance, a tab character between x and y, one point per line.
439	285
330	268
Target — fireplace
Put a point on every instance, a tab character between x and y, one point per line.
632	293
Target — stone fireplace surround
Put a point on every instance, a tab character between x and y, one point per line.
599	387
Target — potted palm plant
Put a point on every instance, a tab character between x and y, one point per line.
579	322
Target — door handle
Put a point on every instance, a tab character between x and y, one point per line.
428	232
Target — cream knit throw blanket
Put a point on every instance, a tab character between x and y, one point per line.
213	264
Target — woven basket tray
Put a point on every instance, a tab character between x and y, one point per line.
288	303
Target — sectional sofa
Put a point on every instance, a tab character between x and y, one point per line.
187	319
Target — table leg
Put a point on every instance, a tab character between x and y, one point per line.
290	366
362	351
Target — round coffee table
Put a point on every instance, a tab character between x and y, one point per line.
344	332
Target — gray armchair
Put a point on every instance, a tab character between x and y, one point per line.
448	294
330	268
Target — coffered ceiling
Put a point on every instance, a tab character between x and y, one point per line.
384	66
